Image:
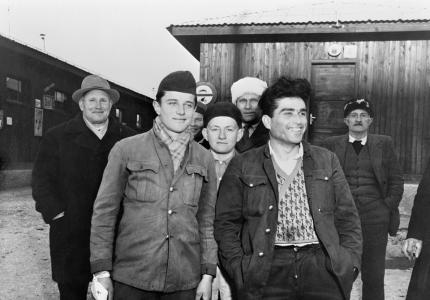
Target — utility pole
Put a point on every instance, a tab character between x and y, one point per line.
42	36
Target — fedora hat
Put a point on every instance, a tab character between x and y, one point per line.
94	82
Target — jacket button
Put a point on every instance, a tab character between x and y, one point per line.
267	230
171	189
261	254
170	211
296	276
270	207
326	178
167	236
251	185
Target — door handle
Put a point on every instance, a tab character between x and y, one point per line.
311	119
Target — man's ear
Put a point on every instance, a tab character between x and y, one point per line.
81	104
205	134
156	106
267	121
239	135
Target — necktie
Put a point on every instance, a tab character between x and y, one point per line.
246	132
357	146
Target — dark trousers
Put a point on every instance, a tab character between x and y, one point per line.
123	291
375	238
301	273
74	290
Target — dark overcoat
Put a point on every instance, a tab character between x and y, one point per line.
419	228
247	215
258	138
66	177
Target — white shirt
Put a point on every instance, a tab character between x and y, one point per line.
287	165
353	139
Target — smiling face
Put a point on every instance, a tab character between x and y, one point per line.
175	110
248	106
95	106
222	133
196	123
289	121
358	122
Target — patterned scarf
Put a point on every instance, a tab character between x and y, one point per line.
176	146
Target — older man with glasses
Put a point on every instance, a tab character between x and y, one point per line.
376	182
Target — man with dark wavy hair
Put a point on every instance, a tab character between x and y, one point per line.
286	223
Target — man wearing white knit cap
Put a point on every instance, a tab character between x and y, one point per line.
245	94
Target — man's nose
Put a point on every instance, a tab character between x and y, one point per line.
180	110
248	104
222	134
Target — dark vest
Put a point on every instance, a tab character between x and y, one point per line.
364	186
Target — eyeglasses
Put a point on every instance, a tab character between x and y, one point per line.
357	116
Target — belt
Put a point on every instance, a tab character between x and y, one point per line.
296	248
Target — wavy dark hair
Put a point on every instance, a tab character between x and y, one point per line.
284	87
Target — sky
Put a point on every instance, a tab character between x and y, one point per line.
125	41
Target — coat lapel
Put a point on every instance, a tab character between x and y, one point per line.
340	149
270	171
375	153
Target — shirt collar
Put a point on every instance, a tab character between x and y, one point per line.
298	156
225	159
99	131
363	140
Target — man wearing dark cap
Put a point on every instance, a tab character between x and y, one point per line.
376	182
66	177
222	124
197	124
286	223
165	185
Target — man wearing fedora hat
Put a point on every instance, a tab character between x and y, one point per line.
66	177
165	185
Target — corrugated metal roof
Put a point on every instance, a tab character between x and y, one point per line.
353	12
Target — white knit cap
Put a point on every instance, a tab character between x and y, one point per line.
247	85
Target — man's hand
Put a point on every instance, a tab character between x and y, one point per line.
204	290
412	248
107	284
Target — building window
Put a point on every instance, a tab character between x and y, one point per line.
14	89
138	121
60	97
118	114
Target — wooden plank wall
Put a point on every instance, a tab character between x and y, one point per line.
394	75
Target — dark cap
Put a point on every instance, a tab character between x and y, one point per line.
200	107
222	109
179	81
357	104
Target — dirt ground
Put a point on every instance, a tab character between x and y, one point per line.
24	252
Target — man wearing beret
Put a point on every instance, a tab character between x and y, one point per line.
245	94
66	176
376	182
286	223
164	185
222	129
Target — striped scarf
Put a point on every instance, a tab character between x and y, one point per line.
176	146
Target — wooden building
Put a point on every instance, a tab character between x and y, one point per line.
379	53
36	94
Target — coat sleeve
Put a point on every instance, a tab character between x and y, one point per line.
106	210
205	217
45	178
347	220
394	177
229	220
418	223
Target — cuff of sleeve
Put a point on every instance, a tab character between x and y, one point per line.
209	269
101	265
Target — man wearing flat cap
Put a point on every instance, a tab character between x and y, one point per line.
165	185
376	182
66	177
197	124
245	94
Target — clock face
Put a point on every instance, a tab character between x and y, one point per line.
206	92
334	50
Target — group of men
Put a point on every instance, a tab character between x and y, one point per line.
261	215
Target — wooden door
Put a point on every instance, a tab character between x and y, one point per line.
333	84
